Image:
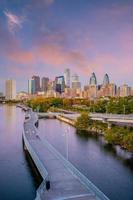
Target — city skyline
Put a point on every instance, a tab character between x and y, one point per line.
46	36
45	87
73	76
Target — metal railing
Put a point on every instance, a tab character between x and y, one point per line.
99	195
75	172
40	166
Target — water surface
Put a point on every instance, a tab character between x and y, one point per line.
18	180
110	170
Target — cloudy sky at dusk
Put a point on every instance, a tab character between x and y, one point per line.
44	37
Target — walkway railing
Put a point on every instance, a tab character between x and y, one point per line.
75	172
41	168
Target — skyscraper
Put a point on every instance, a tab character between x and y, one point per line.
124	91
44	85
59	84
67	77
31	86
75	82
37	83
106	79
93	80
10	92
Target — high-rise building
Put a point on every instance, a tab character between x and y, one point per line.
10	89
90	91
124	91
93	80
37	83
108	90
106	79
31	86
2	97
59	84
76	84
67	77
44	85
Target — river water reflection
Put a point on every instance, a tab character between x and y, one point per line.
109	169
17	175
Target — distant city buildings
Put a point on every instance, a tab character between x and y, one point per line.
44	85
60	84
75	82
107	90
67	77
93	80
106	79
1	94
10	89
124	91
22	96
31	86
67	86
36	83
63	87
2	97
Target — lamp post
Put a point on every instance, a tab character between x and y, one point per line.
106	109
93	109
124	110
66	139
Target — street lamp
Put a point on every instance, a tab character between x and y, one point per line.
124	110
66	141
106	109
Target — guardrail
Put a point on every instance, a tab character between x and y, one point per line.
99	195
75	172
38	163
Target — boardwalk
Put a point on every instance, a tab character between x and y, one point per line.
66	182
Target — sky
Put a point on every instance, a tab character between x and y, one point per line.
43	37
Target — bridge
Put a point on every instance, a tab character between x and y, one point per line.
125	120
61	180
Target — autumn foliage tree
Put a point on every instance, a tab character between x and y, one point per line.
83	121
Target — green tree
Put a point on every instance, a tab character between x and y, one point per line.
128	141
83	121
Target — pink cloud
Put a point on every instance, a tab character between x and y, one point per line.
14	21
21	57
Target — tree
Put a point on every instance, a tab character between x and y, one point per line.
67	103
128	141
83	121
56	102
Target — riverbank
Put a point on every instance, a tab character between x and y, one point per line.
114	135
72	123
100	162
122	136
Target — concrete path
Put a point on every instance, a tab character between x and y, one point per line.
66	182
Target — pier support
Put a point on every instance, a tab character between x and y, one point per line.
37	124
109	125
47	185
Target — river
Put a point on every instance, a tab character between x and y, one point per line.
108	168
18	180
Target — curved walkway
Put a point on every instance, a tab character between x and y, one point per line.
66	182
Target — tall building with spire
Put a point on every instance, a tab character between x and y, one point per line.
93	80
106	79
